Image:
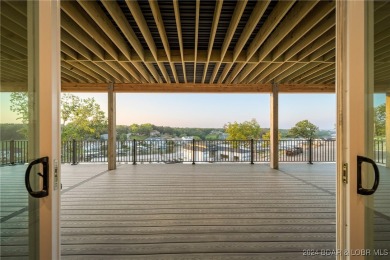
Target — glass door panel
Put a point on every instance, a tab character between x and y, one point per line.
19	130
377	217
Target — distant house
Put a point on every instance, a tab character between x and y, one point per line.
156	142
154	133
104	137
187	138
205	151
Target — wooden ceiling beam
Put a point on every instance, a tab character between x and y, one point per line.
214	26
320	11
74	75
266	72
74	44
79	16
305	75
77	32
8	24
176	9
114	75
19	6
11	13
118	16
143	26
121	71
323	40
269	25
10	47
321	78
257	13
13	37
93	67
87	76
163	35
197	11
69	51
299	70
81	67
198	88
238	11
318	31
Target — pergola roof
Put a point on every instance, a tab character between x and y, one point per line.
189	45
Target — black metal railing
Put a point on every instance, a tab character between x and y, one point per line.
188	151
380	151
14	152
194	151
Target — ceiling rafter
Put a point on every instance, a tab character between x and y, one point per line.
78	15
268	38
143	26
163	35
214	26
238	11
253	20
180	36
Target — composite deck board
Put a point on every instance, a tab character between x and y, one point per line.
225	211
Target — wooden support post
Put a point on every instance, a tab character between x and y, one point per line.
388	130
274	160
111	127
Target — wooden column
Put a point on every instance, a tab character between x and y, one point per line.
388	130
274	162
111	127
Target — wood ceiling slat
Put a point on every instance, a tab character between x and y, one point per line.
87	70
163	35
214	26
253	20
284	42
81	73
197	11
82	19
74	75
10	47
265	31
77	46
143	26
77	32
11	13
312	71
10	25
238	11
114	75
180	36
299	71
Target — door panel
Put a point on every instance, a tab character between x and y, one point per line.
19	212
377	205
29	76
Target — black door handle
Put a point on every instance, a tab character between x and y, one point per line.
360	189
45	175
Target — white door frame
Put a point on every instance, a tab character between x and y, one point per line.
351	103
49	124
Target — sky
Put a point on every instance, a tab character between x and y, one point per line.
210	110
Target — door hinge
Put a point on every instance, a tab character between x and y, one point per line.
345	173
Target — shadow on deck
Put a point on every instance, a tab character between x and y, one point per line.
209	211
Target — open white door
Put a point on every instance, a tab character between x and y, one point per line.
30	73
363	201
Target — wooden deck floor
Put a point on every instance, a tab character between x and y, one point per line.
213	211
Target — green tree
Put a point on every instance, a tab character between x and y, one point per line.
380	120
243	131
267	135
304	129
19	105
81	118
